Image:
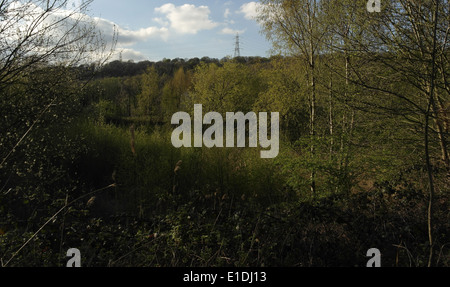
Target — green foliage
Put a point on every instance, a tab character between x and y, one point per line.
149	99
231	87
174	93
285	93
105	109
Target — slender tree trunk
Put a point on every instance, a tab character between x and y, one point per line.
331	118
313	127
313	154
345	129
312	68
441	133
431	187
431	104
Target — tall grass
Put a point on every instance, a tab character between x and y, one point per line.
143	165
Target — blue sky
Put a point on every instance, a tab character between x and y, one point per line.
153	30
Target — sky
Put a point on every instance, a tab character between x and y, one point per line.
154	29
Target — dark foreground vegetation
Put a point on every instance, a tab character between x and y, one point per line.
137	201
87	161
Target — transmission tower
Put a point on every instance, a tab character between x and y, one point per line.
237	49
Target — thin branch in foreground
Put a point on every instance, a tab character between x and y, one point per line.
51	219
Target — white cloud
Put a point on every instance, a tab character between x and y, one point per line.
128	54
67	34
129	37
250	10
227	13
188	18
230	31
161	22
185	19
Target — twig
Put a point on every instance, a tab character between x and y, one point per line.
111	264
440	253
63	225
215	222
407	252
253	240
